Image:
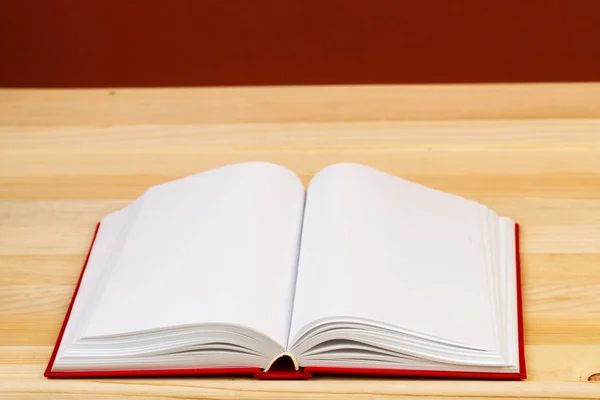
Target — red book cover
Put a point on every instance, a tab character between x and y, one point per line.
289	372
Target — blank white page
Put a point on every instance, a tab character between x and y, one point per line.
112	228
217	247
381	248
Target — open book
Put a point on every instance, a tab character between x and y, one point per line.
237	269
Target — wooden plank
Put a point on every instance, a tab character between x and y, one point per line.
298	104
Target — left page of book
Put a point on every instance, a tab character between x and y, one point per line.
216	248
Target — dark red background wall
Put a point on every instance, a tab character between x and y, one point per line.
65	43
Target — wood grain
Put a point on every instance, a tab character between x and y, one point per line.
305	104
531	152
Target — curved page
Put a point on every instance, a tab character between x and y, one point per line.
217	247
377	247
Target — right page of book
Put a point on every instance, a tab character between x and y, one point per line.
379	248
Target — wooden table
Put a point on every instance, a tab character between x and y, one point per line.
531	152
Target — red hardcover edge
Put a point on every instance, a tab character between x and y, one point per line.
48	373
521	330
303	373
284	374
141	373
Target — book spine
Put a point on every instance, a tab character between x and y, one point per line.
283	366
